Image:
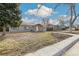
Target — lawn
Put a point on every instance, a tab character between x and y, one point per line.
21	43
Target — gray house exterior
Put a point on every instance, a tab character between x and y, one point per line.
27	28
24	27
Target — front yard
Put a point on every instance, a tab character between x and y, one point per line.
21	43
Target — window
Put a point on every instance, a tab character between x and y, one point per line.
25	28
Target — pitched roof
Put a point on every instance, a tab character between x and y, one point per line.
26	23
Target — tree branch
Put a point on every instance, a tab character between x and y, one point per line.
75	19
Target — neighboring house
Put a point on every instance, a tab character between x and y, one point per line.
27	27
76	27
39	27
52	27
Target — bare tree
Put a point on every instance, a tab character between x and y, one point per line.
61	20
45	22
73	12
73	15
39	7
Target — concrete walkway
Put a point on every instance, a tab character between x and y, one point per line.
74	51
59	48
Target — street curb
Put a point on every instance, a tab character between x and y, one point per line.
62	51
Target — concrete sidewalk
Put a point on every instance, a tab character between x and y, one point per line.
56	49
74	51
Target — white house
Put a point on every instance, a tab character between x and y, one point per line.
24	27
31	27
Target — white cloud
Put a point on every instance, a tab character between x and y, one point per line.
63	18
32	11
29	21
42	12
54	22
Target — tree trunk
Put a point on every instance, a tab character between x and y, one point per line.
4	31
70	27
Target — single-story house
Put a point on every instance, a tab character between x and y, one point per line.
53	27
27	28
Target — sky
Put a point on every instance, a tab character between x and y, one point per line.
29	11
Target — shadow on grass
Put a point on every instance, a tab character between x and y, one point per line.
2	37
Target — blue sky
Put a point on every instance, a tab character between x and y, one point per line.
61	10
25	6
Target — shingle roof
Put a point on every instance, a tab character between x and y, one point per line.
26	23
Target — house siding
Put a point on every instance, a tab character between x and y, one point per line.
33	28
26	28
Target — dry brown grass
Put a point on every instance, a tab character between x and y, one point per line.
21	43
